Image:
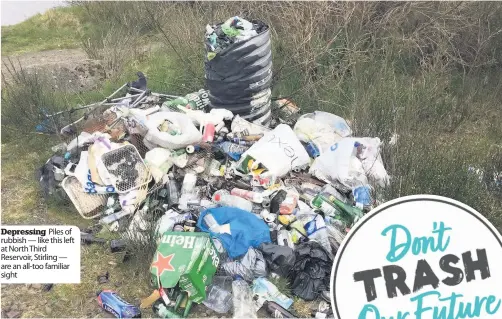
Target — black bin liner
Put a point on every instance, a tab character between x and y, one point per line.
239	77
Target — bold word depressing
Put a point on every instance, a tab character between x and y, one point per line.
14	232
467	266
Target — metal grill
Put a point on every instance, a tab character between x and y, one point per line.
89	206
126	168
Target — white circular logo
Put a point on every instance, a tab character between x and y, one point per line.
419	257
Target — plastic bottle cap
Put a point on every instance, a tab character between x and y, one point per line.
217	197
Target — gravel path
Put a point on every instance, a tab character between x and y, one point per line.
70	69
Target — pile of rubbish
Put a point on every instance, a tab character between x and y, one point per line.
234	30
234	206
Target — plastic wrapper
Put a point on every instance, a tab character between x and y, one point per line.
265	290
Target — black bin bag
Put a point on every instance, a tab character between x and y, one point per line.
310	274
239	75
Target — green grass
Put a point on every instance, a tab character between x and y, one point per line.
55	29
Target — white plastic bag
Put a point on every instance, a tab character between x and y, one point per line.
189	133
215	117
339	164
372	161
321	134
335	122
339	125
129	200
279	151
342	163
83	174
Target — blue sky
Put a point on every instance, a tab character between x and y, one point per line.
14	12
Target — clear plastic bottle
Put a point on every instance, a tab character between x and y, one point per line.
249	195
328	190
284	239
174	194
223	199
219	296
188	183
242	298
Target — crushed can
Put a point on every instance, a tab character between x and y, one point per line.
185	258
112	303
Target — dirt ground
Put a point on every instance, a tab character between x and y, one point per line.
70	69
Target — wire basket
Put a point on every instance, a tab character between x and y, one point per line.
127	169
89	206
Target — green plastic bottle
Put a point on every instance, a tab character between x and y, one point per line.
323	204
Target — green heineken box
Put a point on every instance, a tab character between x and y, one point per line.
188	258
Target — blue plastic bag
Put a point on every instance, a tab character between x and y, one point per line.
246	229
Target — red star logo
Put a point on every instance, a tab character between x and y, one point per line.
163	263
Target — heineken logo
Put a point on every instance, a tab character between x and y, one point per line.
186	241
214	256
163	263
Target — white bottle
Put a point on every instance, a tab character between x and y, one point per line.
223	199
249	195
